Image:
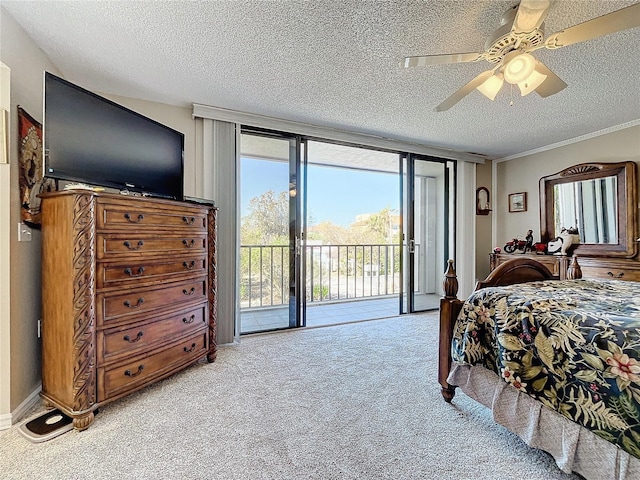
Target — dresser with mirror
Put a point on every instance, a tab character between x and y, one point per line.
601	201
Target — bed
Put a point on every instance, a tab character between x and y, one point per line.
556	361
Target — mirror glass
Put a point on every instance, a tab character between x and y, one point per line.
590	206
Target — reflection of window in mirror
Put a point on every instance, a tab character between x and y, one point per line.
590	206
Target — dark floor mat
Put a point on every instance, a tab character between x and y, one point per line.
46	426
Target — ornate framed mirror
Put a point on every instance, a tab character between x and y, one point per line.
600	200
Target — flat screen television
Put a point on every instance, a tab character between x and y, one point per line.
92	140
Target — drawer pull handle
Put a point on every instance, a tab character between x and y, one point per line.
127	303
128	245
128	217
189	292
190	265
191	319
189	350
189	220
188	243
129	373
620	275
128	271
138	337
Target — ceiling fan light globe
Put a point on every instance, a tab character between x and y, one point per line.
491	86
531	83
519	68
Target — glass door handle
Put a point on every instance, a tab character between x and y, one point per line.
412	246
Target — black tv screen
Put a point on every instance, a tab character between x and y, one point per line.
90	139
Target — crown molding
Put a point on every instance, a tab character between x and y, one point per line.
587	136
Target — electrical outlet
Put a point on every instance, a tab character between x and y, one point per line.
24	233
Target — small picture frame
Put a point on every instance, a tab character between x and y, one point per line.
518	202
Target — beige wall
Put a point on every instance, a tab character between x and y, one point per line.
523	175
5	253
483	222
27	64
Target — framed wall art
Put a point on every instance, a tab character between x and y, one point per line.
30	158
518	202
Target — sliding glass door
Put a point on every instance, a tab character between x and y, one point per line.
351	234
332	233
270	232
425	206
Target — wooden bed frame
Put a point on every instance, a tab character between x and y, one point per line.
517	270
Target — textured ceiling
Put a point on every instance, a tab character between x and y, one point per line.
336	63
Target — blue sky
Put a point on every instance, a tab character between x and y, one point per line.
334	194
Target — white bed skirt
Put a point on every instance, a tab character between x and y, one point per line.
574	448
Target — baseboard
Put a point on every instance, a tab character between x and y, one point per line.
8	419
5	421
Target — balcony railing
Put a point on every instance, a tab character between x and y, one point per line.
333	272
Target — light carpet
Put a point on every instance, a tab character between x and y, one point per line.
353	401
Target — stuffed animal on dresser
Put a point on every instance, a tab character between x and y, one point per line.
561	244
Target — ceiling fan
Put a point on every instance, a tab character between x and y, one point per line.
509	49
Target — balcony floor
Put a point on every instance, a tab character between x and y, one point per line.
320	314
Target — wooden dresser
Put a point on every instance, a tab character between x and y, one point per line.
592	267
557	264
128	292
611	268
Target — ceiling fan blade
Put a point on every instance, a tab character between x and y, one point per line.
530	15
464	91
622	19
552	85
441	59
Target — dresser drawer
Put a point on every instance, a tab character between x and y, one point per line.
116	307
138	216
110	245
119	342
137	270
610	273
124	377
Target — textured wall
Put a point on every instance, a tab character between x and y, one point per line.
483	223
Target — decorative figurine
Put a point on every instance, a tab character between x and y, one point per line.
561	244
529	242
482	201
514	245
540	248
517	244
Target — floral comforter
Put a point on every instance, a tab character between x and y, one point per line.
574	345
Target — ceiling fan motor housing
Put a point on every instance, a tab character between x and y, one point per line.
503	40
